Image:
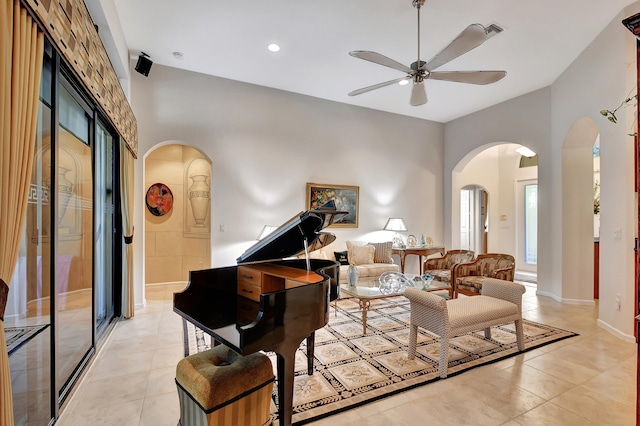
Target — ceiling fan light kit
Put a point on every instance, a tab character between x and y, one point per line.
419	71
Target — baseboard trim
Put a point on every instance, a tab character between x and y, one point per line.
168	283
563	300
616	332
548	294
578	302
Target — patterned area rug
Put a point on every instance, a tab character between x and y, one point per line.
18	336
352	369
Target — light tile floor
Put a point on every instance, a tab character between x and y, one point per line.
584	380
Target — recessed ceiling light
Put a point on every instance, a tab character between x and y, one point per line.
178	55
273	47
403	82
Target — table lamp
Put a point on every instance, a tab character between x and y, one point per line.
396	224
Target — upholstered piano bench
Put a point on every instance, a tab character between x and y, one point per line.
221	387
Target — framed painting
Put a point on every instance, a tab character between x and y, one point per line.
159	199
345	197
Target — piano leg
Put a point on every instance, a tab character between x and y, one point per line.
286	357
311	342
185	337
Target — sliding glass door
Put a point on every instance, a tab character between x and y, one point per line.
104	226
74	242
62	296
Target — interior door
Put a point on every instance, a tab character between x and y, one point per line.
474	218
527	225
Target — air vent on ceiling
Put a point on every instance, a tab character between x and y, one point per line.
493	29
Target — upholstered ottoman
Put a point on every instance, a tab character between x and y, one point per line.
500	303
221	387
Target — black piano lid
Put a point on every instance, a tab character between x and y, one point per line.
288	239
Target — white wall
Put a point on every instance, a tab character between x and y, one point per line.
577	212
600	78
610	61
266	144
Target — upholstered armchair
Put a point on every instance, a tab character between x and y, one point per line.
468	277
441	267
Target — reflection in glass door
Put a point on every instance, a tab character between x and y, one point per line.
104	227
74	242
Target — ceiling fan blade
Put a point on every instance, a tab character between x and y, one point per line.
472	36
418	94
377	86
471	77
381	60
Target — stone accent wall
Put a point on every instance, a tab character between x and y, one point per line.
71	30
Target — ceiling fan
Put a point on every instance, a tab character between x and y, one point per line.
473	36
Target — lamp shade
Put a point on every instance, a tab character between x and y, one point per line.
395	224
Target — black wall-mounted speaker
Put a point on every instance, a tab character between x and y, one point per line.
633	24
144	65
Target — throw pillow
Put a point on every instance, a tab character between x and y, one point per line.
352	244
382	253
318	254
342	257
362	255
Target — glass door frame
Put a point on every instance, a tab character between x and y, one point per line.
116	231
68	82
47	347
62	76
521	255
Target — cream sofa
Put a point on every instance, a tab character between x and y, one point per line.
369	263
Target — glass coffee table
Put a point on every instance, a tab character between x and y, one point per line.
368	289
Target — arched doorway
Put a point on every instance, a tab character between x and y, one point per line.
177	239
499	177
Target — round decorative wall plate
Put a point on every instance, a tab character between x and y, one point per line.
159	199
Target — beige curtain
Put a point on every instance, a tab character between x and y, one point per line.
126	183
21	66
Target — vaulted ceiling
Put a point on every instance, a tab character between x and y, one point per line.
229	39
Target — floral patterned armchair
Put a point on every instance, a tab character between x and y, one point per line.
441	267
468	277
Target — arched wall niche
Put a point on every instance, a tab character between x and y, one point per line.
179	241
197	206
577	212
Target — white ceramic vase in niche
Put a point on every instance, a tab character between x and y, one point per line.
199	195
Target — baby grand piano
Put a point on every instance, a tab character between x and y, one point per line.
267	303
